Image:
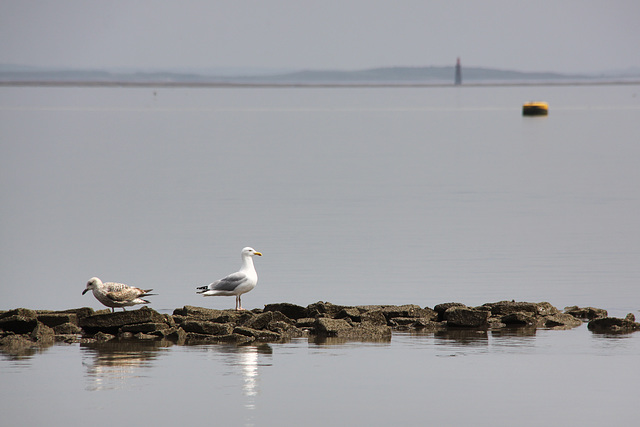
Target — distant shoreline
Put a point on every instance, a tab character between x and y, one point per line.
258	84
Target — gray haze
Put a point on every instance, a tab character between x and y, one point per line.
562	36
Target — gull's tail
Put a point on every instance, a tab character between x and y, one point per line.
202	289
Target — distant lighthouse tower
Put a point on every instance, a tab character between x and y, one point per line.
458	80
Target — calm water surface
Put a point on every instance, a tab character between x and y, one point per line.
354	196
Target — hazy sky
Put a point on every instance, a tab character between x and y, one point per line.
541	35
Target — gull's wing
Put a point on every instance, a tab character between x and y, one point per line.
229	283
121	292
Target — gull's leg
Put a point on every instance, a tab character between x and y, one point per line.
113	309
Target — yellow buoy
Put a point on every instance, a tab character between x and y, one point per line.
535	109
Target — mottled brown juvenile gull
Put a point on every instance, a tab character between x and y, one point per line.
237	283
116	295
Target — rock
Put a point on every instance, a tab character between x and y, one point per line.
546	309
194	338
78	313
428	324
256	334
112	322
145	327
402	321
508	307
612	325
465	317
351	313
68	338
307	322
43	334
102	337
292	311
630	317
286	330
408	310
323	309
519	318
55	319
206	327
561	321
168	319
331	327
67	329
441	308
219	316
376	318
177	335
191	311
20	321
588	313
263	320
143	336
340	328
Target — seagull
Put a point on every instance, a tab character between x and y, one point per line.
237	283
116	294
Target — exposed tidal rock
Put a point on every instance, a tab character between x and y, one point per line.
466	317
145	327
264	320
43	334
509	307
55	319
441	308
519	318
613	325
194	338
588	313
206	327
19	321
218	316
26	329
341	328
292	311
561	321
112	322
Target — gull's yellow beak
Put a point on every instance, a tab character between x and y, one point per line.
258	253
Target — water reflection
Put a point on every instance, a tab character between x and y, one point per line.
457	342
244	361
113	364
21	349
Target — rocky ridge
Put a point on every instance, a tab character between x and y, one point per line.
23	330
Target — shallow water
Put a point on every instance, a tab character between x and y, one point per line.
496	378
354	196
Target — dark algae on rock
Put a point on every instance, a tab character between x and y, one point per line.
24	331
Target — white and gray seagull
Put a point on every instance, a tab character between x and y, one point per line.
237	283
116	295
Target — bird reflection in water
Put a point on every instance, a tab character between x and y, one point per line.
248	361
113	364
